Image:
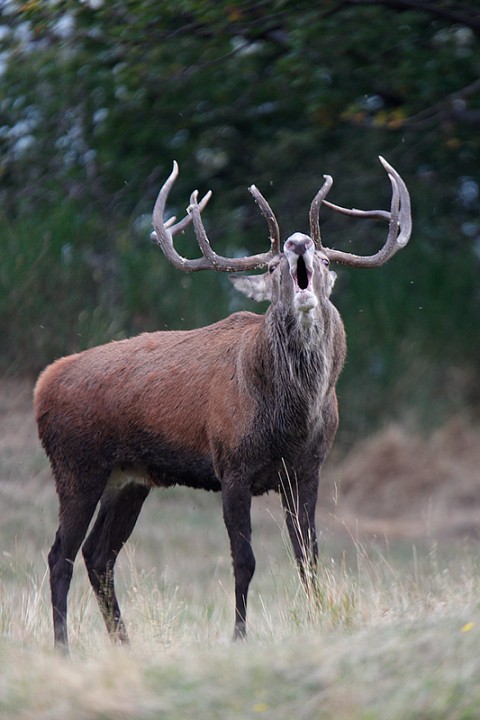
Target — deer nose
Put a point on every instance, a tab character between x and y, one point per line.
298	243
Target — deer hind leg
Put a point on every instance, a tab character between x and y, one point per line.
299	500
118	513
76	512
236	513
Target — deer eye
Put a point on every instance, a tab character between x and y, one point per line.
272	268
325	261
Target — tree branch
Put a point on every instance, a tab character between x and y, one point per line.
453	12
452	106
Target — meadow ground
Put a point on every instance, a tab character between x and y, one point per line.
393	632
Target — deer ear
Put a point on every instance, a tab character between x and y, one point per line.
253	286
332	276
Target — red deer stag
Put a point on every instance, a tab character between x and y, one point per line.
243	406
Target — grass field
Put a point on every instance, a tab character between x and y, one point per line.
393	634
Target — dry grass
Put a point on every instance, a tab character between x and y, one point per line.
402	484
392	632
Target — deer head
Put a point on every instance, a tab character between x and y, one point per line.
298	277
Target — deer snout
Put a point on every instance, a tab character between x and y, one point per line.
299	244
299	250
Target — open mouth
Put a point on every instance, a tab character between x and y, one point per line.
302	275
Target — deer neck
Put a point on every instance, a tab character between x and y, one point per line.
299	334
299	357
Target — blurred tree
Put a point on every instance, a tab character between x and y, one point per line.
97	98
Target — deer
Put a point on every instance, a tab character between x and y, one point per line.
243	406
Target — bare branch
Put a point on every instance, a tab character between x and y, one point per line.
452	105
453	12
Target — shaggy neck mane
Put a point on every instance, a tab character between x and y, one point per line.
293	361
300	350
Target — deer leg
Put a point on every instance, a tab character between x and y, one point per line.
299	501
75	515
118	513
236	513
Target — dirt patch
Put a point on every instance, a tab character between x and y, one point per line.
395	483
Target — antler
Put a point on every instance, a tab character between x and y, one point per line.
164	232
315	211
267	213
399	217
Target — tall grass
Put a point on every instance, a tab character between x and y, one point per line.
389	632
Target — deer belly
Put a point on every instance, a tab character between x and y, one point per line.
163	466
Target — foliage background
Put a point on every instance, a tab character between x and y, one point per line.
96	100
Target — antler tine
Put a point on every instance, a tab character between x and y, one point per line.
269	216
400	224
315	211
354	212
164	232
405	213
219	262
178	227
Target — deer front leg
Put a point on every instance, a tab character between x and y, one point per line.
236	513
299	500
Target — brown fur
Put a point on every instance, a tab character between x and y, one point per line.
244	406
146	382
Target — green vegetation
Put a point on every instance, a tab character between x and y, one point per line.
97	98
